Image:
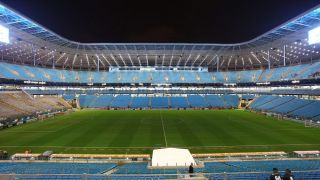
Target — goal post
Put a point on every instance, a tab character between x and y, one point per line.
308	123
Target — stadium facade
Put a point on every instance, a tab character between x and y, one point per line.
43	75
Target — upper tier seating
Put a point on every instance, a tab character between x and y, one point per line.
20	72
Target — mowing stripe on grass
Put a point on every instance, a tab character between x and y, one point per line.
126	131
117	147
30	131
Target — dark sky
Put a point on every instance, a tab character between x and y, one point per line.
196	21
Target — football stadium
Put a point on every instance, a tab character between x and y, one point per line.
72	110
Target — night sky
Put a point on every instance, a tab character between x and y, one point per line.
132	21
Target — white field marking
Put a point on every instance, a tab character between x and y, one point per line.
108	147
164	132
16	131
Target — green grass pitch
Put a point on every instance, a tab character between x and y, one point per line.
128	131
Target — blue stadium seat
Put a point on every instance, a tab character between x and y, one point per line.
231	101
197	101
101	101
309	111
248	96
121	101
55	168
275	102
159	102
140	102
215	101
69	97
262	100
13	71
292	105
178	102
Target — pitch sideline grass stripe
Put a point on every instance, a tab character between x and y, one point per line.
107	147
163	129
30	131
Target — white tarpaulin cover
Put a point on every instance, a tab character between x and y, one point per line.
171	157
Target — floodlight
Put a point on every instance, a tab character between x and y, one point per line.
314	36
4	34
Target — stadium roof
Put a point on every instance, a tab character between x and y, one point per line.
31	43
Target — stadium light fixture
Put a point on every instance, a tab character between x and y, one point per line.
314	36
4	34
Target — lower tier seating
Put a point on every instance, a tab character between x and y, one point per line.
18	104
288	105
159	102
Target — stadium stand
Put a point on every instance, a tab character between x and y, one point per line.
288	105
13	71
55	168
101	101
215	101
159	102
291	106
69	97
261	101
197	101
15	104
86	100
274	103
302	169
317	118
247	96
140	102
178	102
231	101
121	101
309	111
296	91
37	79
285	105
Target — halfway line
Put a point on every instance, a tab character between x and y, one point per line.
164	132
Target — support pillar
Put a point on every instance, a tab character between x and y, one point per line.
269	64
284	55
218	63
